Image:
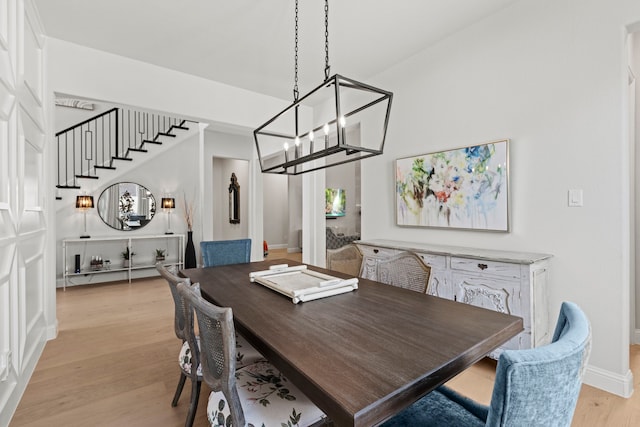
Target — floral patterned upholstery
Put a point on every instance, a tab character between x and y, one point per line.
245	355
268	399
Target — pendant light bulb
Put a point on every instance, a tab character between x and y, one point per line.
297	141
311	135
343	121
325	128
286	146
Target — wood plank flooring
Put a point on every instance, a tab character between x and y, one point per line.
114	363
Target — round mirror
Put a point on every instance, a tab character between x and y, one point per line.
126	206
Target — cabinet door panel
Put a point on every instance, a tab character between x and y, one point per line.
440	284
370	257
495	294
490	293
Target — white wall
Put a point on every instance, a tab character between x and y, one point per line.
294	193
344	177
551	76
169	173
634	65
276	210
79	71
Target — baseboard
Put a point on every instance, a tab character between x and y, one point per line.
293	250
621	385
52	331
636	337
278	246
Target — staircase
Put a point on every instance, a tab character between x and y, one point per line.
113	141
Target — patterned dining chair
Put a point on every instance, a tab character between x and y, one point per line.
405	270
256	394
225	252
347	259
534	387
245	353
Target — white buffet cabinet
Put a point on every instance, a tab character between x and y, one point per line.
504	281
109	250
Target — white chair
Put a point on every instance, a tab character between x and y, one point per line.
347	259
405	270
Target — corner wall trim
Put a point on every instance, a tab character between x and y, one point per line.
621	385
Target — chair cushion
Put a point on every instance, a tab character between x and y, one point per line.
246	354
440	408
268	399
184	359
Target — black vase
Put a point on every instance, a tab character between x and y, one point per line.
190	252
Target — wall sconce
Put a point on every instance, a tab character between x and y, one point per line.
168	204
83	204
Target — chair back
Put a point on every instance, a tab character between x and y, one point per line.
405	270
180	324
540	387
217	347
225	252
347	259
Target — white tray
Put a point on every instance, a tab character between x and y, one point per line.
301	284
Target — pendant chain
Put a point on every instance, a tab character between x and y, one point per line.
326	40
296	93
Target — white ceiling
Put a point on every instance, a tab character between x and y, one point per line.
249	43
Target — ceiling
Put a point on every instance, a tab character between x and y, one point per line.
249	43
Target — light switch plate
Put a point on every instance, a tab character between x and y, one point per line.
575	198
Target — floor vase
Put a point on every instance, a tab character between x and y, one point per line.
190	252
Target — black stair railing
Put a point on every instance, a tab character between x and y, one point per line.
98	142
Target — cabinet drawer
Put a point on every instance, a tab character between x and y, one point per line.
496	268
377	252
435	261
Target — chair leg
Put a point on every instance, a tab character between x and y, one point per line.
195	396
183	378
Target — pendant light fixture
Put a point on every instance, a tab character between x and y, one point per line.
340	121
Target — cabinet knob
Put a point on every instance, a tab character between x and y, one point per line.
482	266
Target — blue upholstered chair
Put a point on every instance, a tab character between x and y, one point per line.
225	252
536	387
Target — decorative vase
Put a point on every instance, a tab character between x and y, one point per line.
125	263
190	252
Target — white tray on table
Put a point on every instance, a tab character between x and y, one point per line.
301	284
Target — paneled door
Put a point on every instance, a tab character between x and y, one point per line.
27	302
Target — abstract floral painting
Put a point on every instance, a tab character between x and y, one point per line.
461	188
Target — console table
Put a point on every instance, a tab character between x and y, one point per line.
109	248
505	281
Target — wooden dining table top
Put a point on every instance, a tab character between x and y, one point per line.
360	356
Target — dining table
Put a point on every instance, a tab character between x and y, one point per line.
360	356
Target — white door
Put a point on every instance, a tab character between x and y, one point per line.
27	303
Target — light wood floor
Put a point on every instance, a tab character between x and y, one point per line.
114	363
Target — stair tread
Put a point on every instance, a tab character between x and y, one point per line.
139	150
166	134
181	127
73	187
122	158
148	141
87	176
105	167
